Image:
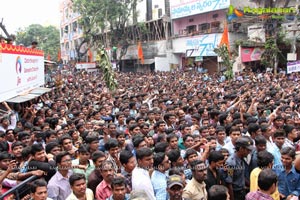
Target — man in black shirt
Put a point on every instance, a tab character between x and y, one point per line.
216	161
39	161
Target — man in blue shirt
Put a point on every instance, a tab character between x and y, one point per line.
288	178
279	137
159	179
236	172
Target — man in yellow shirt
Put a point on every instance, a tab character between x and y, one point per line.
264	160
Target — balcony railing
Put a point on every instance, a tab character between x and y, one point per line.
20	190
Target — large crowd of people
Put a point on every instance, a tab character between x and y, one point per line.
163	135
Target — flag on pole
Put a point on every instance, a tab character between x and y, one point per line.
225	38
90	55
48	57
58	55
140	53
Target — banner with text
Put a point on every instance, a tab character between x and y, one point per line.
293	67
21	69
201	45
85	66
184	8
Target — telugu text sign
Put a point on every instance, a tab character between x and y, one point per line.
22	70
202	45
184	8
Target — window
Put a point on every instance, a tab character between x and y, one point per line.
74	26
159	13
204	28
191	29
66	30
215	26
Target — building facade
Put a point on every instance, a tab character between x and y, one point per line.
197	30
179	34
71	32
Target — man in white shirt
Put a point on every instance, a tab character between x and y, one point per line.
140	175
59	187
234	134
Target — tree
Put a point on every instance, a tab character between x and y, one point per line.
47	38
106	22
274	35
223	52
105	65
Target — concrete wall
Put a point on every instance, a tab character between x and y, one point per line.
182	23
162	64
156	6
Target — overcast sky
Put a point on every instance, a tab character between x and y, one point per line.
21	13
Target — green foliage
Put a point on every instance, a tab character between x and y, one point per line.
106	17
105	65
270	53
223	52
47	38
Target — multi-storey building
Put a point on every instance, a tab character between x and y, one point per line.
152	13
71	32
177	33
197	30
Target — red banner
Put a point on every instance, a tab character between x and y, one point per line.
12	49
250	54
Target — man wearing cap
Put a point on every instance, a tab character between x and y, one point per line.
175	187
236	169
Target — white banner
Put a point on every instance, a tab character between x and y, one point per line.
201	45
21	69
184	8
85	65
293	67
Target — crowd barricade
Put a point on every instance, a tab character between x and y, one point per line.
19	191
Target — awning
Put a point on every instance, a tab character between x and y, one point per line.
148	61
31	95
40	90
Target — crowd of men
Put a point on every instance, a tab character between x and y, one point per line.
164	135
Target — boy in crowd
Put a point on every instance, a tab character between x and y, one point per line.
128	162
59	185
140	175
288	178
95	177
216	161
79	190
267	181
118	186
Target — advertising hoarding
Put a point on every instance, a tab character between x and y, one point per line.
184	8
21	69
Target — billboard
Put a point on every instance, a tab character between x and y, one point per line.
293	67
184	8
21	69
201	45
250	54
